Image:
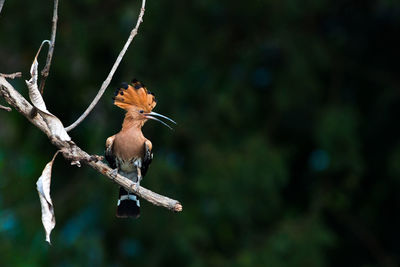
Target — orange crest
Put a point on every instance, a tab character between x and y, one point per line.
134	94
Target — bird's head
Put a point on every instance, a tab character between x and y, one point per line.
138	102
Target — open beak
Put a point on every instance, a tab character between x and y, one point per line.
151	115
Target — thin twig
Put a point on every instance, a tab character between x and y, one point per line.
74	153
45	71
5	108
111	74
11	75
1	4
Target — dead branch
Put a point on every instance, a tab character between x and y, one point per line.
113	69
5	108
75	154
45	71
11	75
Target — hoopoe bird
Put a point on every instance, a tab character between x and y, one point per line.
128	152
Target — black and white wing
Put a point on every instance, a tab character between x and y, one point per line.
108	154
148	157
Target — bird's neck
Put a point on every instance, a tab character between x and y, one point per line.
130	123
129	142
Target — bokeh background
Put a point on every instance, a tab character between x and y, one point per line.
286	152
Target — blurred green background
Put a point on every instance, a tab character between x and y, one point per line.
286	152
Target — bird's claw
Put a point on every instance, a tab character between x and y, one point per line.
114	173
138	181
137	185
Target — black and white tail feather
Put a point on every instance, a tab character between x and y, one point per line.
128	204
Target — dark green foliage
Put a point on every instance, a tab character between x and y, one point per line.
286	151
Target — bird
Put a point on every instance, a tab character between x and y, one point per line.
129	152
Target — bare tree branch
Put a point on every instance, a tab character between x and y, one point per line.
113	69
12	75
45	71
75	154
5	108
1	5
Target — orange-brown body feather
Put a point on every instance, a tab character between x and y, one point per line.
129	142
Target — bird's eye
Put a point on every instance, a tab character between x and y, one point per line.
141	111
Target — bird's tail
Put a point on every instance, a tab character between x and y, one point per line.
128	204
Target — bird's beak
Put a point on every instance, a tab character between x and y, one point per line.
151	115
162	116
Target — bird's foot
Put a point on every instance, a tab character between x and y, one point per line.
114	173
138	183
139	179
